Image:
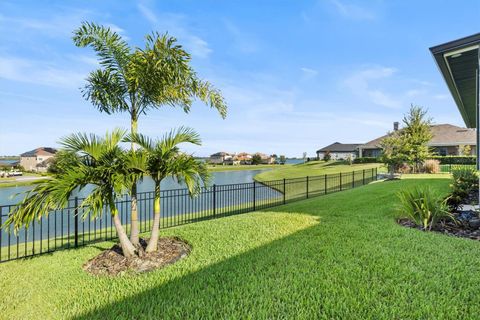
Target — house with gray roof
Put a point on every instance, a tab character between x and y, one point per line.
447	140
339	151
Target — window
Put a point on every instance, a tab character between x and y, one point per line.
442	151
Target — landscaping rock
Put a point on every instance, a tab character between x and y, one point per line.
474	223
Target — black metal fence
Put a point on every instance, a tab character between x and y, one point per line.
71	227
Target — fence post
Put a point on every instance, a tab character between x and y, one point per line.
374	176
363	178
340	181
214	200
76	222
307	187
325	183
254	195
284	192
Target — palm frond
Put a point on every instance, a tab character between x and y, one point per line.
106	91
175	137
142	140
192	172
205	91
112	50
50	194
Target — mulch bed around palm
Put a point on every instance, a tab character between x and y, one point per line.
111	262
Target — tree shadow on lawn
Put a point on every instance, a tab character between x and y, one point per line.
269	281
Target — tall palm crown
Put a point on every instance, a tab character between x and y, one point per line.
136	80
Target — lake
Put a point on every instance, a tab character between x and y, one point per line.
10	195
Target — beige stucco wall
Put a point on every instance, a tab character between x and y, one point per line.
30	163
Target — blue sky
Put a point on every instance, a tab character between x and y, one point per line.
297	75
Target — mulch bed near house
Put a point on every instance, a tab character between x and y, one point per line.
466	224
111	262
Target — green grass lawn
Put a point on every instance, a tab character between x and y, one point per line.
312	168
339	256
11	181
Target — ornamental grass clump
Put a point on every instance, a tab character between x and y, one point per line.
431	166
423	206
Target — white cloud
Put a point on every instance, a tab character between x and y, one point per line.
361	83
118	30
55	25
442	96
177	26
352	11
147	13
39	72
414	93
308	72
242	41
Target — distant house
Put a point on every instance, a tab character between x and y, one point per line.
9	163
220	157
243	158
266	159
339	151
447	140
38	159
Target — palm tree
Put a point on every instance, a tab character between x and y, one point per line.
137	80
163	159
97	161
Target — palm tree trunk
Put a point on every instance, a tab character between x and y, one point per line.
153	242
127	247
134	230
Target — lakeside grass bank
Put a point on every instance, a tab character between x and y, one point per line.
314	168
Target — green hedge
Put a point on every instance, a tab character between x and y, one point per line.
367	160
456	159
442	159
452	167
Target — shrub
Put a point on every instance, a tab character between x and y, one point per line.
367	160
404	168
423	206
431	166
465	182
455	159
256	159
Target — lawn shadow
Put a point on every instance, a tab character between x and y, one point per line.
241	285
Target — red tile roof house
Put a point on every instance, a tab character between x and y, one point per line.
37	159
447	140
339	151
243	158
